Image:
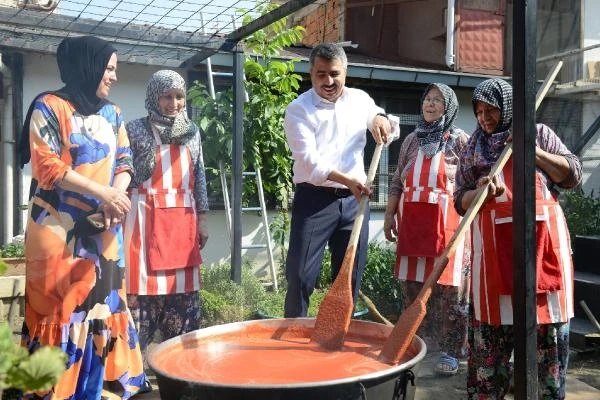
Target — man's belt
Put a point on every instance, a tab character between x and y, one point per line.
337	192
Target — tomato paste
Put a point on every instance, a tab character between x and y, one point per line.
256	355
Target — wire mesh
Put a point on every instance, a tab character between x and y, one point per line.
159	32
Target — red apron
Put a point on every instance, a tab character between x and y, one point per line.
171	232
427	221
493	257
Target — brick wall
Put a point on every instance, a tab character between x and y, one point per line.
323	24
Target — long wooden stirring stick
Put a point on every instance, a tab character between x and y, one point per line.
335	312
407	325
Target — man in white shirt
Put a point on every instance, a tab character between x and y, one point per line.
326	130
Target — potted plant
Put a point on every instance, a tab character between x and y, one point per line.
13	256
24	372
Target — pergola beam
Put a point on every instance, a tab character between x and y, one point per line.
229	42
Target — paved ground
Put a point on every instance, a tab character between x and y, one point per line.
429	386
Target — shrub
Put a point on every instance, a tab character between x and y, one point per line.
12	250
582	212
378	284
378	281
272	304
225	301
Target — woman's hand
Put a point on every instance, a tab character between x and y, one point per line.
495	186
116	202
201	229
110	217
115	205
390	227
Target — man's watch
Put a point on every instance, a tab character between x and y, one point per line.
383	115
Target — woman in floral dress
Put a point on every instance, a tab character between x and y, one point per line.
75	287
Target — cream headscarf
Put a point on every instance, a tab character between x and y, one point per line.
172	130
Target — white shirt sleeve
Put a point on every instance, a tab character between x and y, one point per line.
300	129
325	136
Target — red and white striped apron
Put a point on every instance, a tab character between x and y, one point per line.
163	213
427	221
492	276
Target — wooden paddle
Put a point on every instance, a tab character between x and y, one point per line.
407	325
335	312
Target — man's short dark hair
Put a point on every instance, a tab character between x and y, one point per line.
328	51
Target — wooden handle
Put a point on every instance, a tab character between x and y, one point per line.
335	311
589	314
442	259
364	200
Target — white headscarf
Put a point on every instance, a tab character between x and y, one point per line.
172	130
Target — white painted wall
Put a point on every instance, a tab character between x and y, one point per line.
217	250
41	73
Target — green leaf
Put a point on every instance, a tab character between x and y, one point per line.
12	250
271	85
40	371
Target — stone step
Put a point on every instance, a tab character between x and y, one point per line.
587	288
583	335
585	251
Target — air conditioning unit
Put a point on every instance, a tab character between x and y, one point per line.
593	69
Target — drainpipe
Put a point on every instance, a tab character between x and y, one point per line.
8	160
450	34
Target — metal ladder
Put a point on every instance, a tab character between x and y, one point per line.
261	197
265	219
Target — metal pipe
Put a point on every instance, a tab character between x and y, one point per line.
16	65
450	34
524	233
237	168
8	150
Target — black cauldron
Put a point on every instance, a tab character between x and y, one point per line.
395	382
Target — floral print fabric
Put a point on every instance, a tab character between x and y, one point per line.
489	371
75	287
167	315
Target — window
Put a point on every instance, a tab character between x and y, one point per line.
388	160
